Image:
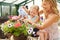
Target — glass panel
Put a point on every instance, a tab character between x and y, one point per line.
5	10
13	10
1	0
19	1
0	11
58	4
29	5
9	1
58	0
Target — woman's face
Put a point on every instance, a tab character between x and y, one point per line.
45	5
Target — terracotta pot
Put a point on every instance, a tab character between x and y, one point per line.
20	37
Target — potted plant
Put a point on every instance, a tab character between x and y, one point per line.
17	29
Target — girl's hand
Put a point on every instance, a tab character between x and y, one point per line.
23	7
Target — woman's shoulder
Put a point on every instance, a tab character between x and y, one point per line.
53	16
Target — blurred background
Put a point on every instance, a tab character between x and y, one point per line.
10	7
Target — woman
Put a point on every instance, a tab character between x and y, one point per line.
51	19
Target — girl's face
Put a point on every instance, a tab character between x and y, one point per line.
46	5
33	12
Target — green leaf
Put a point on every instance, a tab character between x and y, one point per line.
25	32
16	33
11	29
6	29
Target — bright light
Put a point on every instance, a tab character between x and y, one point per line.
1	0
9	1
39	3
18	1
29	5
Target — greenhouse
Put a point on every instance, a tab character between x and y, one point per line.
29	19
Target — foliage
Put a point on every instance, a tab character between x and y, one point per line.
15	28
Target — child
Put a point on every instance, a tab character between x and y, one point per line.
33	13
34	17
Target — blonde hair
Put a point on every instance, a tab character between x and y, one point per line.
35	7
53	4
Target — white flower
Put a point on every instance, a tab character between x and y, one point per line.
33	32
10	25
2	26
30	30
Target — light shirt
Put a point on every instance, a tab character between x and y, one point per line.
22	12
32	19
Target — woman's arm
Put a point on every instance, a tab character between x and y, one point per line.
48	22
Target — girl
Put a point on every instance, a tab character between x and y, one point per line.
33	13
35	18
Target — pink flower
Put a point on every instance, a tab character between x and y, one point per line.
10	17
15	17
18	24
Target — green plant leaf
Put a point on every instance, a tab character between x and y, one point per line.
16	33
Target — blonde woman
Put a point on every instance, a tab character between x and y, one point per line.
50	24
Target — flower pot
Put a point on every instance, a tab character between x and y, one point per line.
8	35
21	37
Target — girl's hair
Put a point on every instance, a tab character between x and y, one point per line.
53	4
36	7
